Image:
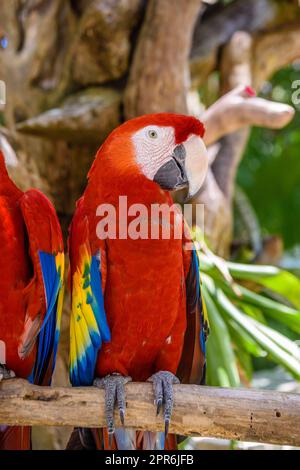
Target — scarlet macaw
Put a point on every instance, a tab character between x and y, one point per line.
31	291
137	312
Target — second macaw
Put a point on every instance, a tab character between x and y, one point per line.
137	312
31	292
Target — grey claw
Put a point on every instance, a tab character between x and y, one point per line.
110	438
158	391
163	391
167	424
121	400
122	416
98	383
114	394
159	405
6	373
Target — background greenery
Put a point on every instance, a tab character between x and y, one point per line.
270	170
259	328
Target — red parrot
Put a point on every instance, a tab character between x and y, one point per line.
31	291
137	312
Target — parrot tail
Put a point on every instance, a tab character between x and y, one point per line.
15	438
123	439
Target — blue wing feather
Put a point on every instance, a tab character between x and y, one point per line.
49	333
89	327
98	303
192	366
198	298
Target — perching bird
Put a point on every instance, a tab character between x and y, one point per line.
31	291
137	312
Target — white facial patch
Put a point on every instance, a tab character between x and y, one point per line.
154	146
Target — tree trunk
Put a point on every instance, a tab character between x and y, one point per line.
159	76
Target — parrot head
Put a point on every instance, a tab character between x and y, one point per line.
165	148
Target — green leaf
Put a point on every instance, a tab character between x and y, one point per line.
286	315
252	311
221	361
243	340
285	284
275	279
276	352
285	343
245	362
252	272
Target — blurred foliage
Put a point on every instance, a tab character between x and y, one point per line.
254	312
270	170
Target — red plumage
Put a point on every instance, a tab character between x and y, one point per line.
144	279
28	225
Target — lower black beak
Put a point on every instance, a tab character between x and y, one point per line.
172	175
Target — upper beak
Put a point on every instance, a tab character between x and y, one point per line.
187	167
196	163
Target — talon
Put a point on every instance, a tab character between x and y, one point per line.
163	391
122	416
114	394
110	438
167	424
6	373
159	405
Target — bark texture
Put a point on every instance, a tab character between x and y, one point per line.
239	414
159	75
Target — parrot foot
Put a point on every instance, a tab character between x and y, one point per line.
6	373
114	394
163	392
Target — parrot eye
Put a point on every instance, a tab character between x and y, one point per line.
152	134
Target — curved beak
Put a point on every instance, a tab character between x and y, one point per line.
186	168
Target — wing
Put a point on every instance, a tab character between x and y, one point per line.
88	325
192	365
44	294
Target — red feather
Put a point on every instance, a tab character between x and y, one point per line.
28	224
145	297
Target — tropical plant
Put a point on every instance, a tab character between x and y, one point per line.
247	307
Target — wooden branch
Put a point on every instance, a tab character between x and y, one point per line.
231	117
275	50
217	212
95	111
242	414
159	74
102	50
240	108
236	78
234	111
217	25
